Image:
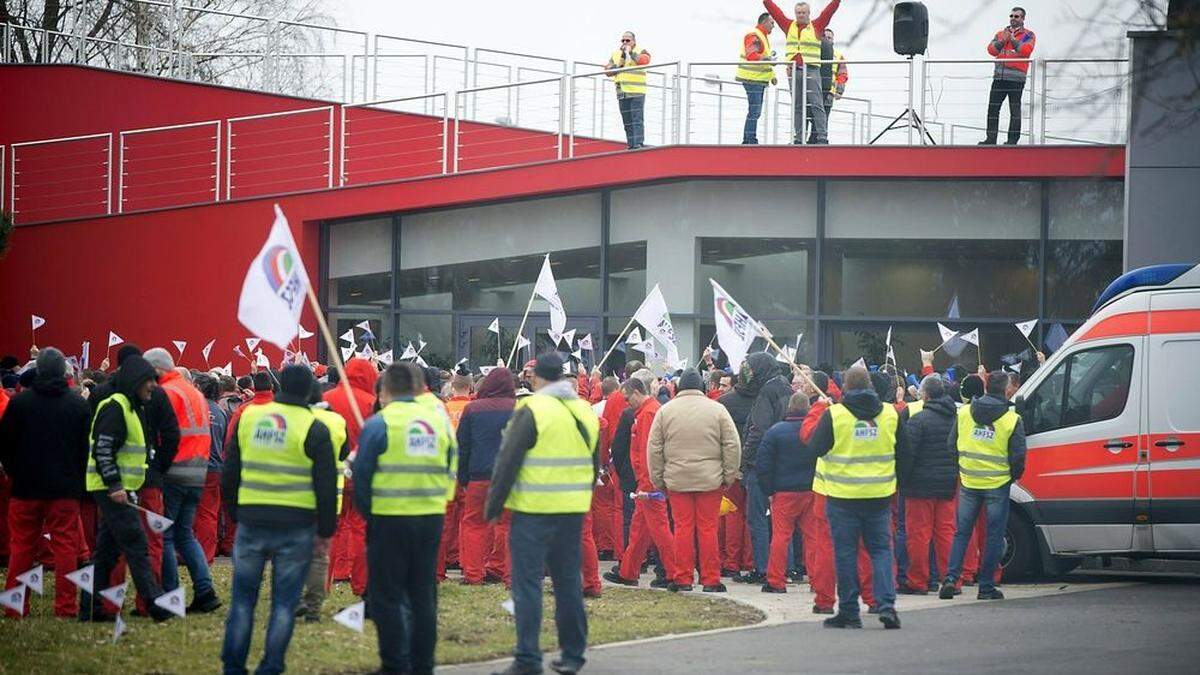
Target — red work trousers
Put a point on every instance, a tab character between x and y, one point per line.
865	588
27	520
927	520
589	562
737	553
649	524
207	513
696	515
617	517
482	546
87	520
791	510
5	492
348	558
448	548
602	518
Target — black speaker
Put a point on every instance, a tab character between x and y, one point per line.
910	28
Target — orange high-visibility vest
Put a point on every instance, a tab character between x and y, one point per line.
191	461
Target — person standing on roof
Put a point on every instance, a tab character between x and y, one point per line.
1012	46
804	49
755	76
631	87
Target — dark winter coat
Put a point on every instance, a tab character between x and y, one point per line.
930	471
44	440
109	431
619	450
481	426
769	407
785	464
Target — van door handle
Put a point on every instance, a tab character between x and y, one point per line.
1171	444
1116	445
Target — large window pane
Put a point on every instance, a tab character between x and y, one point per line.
921	277
852	341
435	331
1085	251
360	264
769	277
626	276
486	258
933	210
339	323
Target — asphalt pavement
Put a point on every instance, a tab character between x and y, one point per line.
1150	626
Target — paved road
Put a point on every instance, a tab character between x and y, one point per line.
1150	627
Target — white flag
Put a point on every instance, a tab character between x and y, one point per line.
208	349
260	359
114	339
494	326
1016	367
546	289
569	336
156	522
348	336
85	354
555	336
946	333
420	343
275	286
654	317
484	370
38	322
860	363
173	601
364	324
118	628
305	334
347	353
735	328
648	349
409	352
522	342
972	337
252	342
115	595
180	345
888	340
585	342
634	337
421	362
33	579
509	606
787	355
227	369
578	354
1026	327
82	578
352	616
385	357
14	599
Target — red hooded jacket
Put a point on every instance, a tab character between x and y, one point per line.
362	376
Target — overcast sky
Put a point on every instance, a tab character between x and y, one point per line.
708	30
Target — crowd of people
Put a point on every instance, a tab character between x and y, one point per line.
768	476
821	67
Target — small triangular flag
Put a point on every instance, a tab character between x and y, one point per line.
208	349
484	370
569	336
409	352
762	330
237	349
420	343
33	579
347	352
578	354
494	326
509	606
352	617
1016	367
14	599
38	321
348	336
252	342
634	337
305	334
114	339
115	595
385	357
173	601
860	363
522	342
421	362
555	336
82	578
118	628
1026	327
260	359
366	335
585	342
365	324
946	333
157	523
227	369
180	345
972	337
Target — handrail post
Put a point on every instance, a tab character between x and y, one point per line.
687	108
921	117
571	118
109	175
446	130
562	101
217	164
1045	74
910	100
803	73
457	129
120	173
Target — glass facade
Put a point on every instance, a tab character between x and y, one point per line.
833	262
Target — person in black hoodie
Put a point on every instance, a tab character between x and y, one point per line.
990	439
738	401
43	447
929	482
120	530
769	407
857	472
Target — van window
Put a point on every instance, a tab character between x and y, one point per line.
1178	384
1090	385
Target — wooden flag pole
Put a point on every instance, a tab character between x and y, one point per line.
614	345
334	354
520	331
979	348
794	365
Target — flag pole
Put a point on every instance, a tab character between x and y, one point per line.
793	363
333	354
979	348
517	341
614	345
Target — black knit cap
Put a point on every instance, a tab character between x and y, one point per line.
128	349
690	379
296	381
549	367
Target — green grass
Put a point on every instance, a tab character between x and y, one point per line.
471	627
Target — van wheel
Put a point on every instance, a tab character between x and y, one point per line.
1020	560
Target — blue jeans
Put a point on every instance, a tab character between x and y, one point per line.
970	501
847	524
633	110
754	97
539	542
758	522
179	504
289	551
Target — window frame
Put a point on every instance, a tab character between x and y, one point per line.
1067	364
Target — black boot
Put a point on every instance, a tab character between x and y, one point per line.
204	604
889	619
840	620
993	594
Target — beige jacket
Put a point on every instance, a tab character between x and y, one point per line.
694	445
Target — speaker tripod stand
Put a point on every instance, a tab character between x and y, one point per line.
910	120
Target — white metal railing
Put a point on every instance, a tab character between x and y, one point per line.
544	118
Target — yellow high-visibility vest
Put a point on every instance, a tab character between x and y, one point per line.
131	457
629	81
415	474
337	434
751	71
556	476
862	462
275	469
983	450
804	42
915	407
